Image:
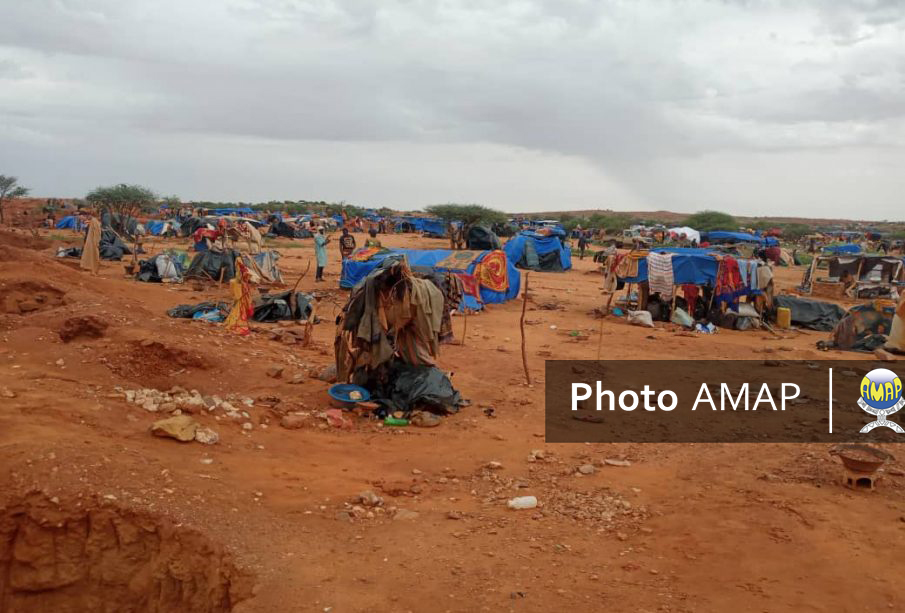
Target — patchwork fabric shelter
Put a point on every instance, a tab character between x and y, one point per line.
490	273
534	251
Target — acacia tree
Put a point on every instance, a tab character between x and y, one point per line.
125	202
9	189
468	214
709	221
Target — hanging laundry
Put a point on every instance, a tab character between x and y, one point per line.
660	275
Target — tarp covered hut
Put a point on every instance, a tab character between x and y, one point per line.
534	251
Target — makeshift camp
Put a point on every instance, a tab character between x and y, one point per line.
388	341
690	233
864	328
158	227
488	276
533	251
434	228
854	276
268	308
483	238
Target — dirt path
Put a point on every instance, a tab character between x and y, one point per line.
683	528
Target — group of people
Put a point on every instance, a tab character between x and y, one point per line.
347	245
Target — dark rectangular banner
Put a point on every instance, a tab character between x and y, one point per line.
712	401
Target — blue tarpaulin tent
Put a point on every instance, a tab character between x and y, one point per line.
435	227
70	222
848	248
339	220
524	249
738	237
353	272
689	265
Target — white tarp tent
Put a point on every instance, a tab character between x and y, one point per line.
690	233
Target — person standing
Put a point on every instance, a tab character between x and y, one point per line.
346	244
320	252
373	242
91	255
582	244
895	342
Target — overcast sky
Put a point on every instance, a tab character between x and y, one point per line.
753	107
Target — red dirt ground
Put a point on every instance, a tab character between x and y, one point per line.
704	527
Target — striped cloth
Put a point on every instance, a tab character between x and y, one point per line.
659	274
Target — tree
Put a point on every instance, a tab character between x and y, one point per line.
468	214
795	231
9	189
709	221
172	202
125	202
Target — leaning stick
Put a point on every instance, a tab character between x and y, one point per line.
465	329
522	327
292	300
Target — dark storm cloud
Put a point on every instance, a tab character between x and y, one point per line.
655	96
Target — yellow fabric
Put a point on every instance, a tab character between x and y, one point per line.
91	255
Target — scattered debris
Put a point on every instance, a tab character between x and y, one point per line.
182	428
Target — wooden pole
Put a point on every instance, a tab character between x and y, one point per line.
465	328
522	327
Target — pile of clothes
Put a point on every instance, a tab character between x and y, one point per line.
268	308
388	341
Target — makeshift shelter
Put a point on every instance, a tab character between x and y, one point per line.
855	276
812	314
489	276
864	328
690	233
719	237
848	248
483	238
388	341
434	228
534	251
70	222
662	272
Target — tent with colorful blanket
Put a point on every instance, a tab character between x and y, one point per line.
534	251
488	276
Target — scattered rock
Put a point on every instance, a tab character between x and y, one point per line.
328	373
207	436
587	469
182	428
5	392
453	515
615	462
275	372
405	514
424	419
369	499
293	422
493	465
297	378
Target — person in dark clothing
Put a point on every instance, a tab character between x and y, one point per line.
582	244
346	244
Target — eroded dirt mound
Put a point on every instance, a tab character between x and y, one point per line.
22	240
24	297
109	559
152	362
87	326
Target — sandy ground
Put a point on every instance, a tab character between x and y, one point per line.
756	527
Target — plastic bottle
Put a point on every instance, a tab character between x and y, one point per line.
395	421
523	502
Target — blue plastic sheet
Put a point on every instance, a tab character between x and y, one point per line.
515	247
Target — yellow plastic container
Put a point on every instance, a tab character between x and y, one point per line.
784	318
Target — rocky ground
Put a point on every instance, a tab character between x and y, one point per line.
273	502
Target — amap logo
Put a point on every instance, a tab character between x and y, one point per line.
881	395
